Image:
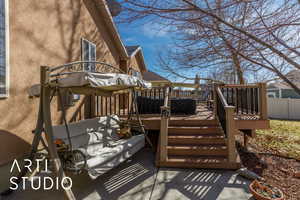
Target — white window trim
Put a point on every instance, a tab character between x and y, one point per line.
82	49
7	67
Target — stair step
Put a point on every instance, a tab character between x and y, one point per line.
197	159
199	162
194	130
199	150
196	139
191	122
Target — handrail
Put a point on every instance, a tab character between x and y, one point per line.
223	100
239	86
164	124
225	113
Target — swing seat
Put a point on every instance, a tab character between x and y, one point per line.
98	139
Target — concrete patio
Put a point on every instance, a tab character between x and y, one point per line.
139	179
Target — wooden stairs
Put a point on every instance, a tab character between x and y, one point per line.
197	144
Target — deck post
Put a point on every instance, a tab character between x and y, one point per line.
230	129
164	124
263	101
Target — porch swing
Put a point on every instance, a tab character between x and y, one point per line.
90	145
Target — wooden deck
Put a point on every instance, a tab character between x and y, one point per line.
202	115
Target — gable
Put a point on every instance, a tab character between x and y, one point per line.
101	15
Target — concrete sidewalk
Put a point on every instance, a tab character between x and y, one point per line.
139	179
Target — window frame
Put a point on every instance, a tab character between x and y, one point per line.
7	64
135	73
92	67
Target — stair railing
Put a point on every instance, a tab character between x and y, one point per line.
249	100
225	114
164	124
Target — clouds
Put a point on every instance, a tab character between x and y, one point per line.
153	30
130	40
151	36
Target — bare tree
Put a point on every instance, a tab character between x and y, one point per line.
241	36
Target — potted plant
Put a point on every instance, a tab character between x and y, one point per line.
264	191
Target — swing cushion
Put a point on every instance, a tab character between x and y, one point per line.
98	139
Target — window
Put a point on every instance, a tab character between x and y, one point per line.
134	72
88	54
137	74
4	48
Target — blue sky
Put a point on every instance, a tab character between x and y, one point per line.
151	37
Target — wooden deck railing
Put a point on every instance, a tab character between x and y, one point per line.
118	104
225	114
164	123
181	93
155	92
149	101
247	99
96	106
79	112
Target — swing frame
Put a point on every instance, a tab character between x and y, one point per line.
44	121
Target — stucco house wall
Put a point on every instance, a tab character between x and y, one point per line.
134	63
42	32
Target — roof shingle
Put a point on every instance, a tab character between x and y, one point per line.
152	76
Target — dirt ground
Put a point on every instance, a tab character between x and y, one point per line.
277	171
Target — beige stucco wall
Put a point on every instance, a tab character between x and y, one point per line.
42	32
133	63
136	62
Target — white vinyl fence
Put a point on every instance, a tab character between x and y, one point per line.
284	108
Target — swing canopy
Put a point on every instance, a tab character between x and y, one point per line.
97	138
108	82
92	78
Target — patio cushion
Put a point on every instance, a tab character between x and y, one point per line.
107	158
104	124
98	139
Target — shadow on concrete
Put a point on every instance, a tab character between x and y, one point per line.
200	184
133	179
138	178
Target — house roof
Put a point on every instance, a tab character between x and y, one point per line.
152	76
114	7
128	52
132	50
107	20
136	51
293	75
282	85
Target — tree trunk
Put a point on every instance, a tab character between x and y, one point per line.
237	65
